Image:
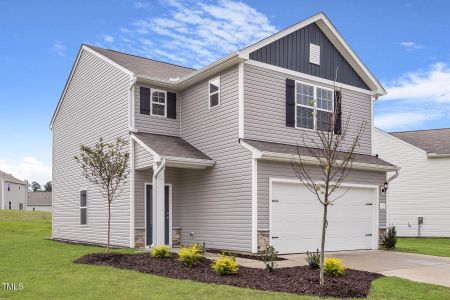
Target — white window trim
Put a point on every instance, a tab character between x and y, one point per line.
151	103
315	87
217	92
86	207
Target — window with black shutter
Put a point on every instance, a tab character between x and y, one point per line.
171	105
145	101
338	112
83	207
290	102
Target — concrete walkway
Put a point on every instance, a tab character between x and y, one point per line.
416	267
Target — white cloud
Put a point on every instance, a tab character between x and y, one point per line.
404	120
59	48
196	34
29	168
141	4
409	45
432	85
108	38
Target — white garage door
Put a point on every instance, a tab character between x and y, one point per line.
297	219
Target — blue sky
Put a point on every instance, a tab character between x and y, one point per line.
404	43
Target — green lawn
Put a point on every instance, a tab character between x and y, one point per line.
46	270
429	246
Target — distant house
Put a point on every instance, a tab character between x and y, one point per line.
419	199
13	192
41	201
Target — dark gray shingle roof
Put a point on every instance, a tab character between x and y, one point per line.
144	66
292	149
173	146
39	198
9	178
431	140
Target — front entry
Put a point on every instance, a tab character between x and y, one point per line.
149	214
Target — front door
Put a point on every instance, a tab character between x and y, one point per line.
149	214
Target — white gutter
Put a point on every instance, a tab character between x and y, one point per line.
131	104
436	155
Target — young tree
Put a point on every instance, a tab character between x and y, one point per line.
35	187
333	152
105	165
48	186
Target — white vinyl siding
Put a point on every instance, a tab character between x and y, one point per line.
94	106
142	157
422	188
16	195
265	109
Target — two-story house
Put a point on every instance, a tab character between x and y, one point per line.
210	149
13	192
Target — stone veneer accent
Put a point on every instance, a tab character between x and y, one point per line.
139	238
176	236
381	234
263	239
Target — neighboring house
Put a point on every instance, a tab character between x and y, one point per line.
13	192
422	191
41	201
210	149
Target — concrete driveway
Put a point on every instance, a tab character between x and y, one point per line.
417	267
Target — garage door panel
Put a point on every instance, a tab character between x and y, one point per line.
297	219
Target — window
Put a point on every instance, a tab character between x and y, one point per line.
9	187
9	205
214	92
158	101
20	206
83	207
314	107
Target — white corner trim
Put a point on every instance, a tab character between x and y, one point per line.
132	194
241	99
254	205
316	80
156	156
372	126
131	103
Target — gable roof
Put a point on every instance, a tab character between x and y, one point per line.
39	198
335	38
144	66
9	178
433	141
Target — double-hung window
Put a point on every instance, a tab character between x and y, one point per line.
158	101
83	207
214	92
314	107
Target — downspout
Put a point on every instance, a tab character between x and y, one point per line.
131	105
393	177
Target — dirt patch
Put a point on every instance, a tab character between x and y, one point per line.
298	280
239	254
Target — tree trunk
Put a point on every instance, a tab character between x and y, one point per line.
109	226
322	245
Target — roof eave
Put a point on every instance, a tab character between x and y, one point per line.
438	155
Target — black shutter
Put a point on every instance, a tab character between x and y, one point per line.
145	101
171	105
338	112
290	102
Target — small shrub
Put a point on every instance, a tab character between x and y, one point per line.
225	265
313	259
190	256
269	256
390	238
333	267
160	252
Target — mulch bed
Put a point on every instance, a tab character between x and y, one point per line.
299	280
239	254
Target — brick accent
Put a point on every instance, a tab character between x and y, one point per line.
263	239
139	238
176	236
